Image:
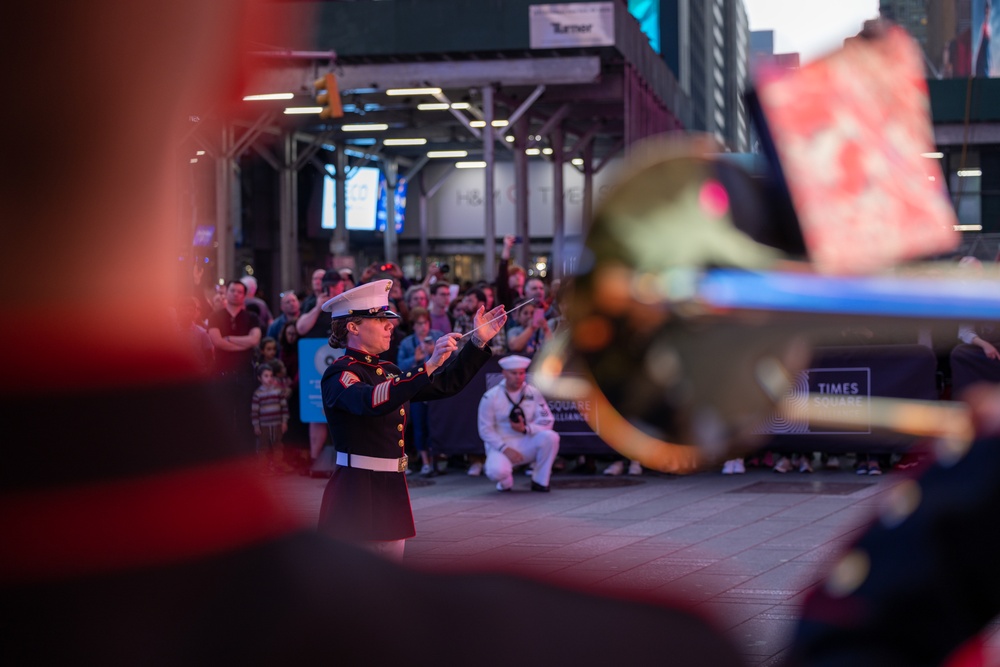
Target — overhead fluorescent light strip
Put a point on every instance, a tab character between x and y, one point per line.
268	96
405	142
291	111
437	154
470	165
412	91
364	127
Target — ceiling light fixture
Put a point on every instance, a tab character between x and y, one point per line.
433	106
302	110
413	91
364	127
416	141
268	96
470	165
437	154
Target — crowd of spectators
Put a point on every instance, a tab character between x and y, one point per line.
437	303
236	336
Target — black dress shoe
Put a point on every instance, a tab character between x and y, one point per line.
535	486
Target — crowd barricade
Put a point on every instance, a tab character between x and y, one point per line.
845	379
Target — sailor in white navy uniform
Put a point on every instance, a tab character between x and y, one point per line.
366	402
515	424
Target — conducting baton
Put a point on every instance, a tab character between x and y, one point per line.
522	305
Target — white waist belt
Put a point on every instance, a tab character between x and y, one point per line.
371	462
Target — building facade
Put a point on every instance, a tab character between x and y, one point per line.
707	45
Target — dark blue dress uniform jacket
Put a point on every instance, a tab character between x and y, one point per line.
366	401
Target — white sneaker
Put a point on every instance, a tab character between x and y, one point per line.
476	469
529	471
728	467
426	469
738	467
615	469
634	468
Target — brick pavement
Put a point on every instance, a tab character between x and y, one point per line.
741	549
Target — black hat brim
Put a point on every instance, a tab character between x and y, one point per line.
387	314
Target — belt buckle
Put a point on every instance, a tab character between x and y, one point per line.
403	462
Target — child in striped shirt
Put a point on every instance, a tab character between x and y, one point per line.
269	414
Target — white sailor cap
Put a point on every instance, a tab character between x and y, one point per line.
515	362
368	300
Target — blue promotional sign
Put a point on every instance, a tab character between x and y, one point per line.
315	354
400	204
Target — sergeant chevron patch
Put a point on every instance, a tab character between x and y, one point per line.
381	393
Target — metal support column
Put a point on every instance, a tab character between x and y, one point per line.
288	228
588	184
521	191
338	244
227	219
391	170
426	194
558	205
490	227
425	246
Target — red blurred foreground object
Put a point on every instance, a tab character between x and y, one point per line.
850	131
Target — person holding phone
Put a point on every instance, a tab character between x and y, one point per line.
510	277
531	331
414	350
